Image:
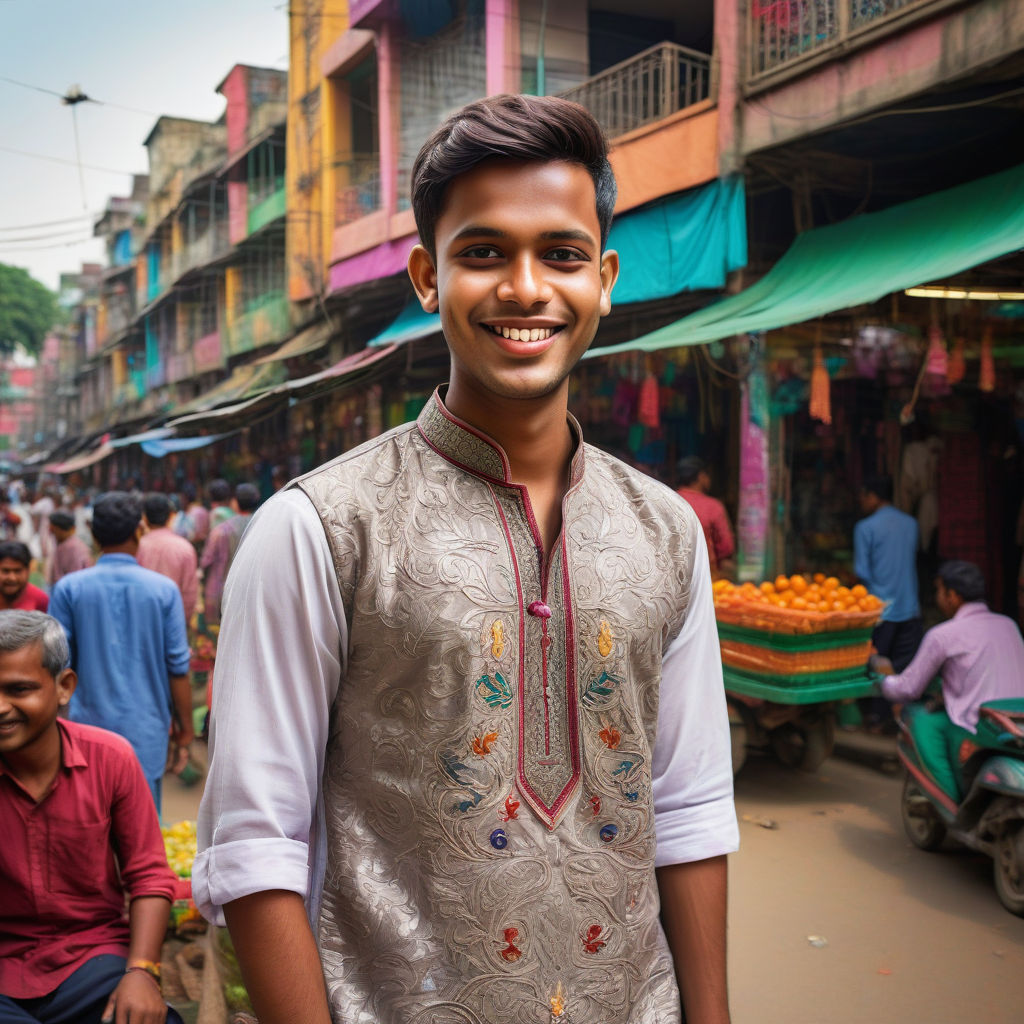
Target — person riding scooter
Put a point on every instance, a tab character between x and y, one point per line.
980	657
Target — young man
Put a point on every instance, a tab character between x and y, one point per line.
980	657
221	547
163	551
72	553
446	656
80	834
15	590
694	486
126	628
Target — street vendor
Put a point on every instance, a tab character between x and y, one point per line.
470	756
80	833
980	657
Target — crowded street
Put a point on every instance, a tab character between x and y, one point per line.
512	512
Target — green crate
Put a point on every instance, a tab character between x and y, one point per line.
790	642
805	689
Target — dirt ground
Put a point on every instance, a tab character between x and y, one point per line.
909	937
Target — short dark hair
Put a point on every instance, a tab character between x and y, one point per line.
880	486
963	578
529	128
689	468
115	517
248	497
219	490
16	550
157	509
62	519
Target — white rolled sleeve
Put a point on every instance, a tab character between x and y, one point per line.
280	658
694	812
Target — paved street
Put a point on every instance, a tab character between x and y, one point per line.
912	938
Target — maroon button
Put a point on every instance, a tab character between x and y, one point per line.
539	609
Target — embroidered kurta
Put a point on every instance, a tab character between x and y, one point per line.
484	740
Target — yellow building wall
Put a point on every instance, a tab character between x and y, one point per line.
314	25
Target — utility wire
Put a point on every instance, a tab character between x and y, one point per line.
46	223
52	245
62	160
77	229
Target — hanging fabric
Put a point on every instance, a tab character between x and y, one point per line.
648	409
957	367
821	399
987	374
936	365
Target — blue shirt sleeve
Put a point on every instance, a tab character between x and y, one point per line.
179	656
60	609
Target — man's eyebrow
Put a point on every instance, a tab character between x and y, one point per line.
564	234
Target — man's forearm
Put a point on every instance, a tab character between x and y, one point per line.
278	958
147	924
693	912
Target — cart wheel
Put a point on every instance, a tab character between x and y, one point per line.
741	734
804	745
1009	868
924	828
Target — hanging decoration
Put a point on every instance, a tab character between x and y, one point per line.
957	367
821	399
936	365
648	408
987	374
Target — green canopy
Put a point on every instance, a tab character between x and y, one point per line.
860	260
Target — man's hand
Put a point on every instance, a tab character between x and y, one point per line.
881	665
136	1000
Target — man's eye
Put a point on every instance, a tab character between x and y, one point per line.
480	252
564	255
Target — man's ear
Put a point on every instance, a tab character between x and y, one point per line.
66	683
423	275
609	275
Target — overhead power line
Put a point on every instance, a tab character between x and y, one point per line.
61	160
47	223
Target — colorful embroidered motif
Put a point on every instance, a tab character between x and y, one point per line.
511	952
608	833
591	942
558	1003
604	640
511	811
610	737
497	639
482	744
599	691
595	802
498	839
495	693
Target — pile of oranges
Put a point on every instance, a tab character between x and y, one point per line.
804	604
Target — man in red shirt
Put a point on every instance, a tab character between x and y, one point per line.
80	831
15	589
695	481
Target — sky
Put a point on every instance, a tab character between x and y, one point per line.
155	58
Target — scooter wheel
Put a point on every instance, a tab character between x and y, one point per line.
1009	868
921	821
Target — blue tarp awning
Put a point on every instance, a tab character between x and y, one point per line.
686	242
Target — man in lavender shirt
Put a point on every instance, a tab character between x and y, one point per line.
980	656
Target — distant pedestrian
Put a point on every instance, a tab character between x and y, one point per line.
163	551
695	483
71	554
221	547
221	507
15	589
126	628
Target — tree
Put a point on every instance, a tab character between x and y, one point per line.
28	310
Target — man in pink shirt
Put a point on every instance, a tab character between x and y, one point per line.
695	481
163	551
72	552
980	656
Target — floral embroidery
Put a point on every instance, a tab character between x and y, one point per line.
610	736
604	640
511	811
496	693
558	1002
608	833
595	802
482	744
511	952
591	942
498	839
599	691
497	639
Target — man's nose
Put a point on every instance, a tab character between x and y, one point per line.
525	282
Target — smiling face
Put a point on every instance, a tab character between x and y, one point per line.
29	698
13	578
520	280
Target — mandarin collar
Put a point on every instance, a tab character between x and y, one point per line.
472	450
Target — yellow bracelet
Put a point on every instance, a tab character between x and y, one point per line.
148	966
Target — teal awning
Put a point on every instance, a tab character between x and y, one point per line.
685	242
862	259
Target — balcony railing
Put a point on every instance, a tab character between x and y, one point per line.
358	186
782	31
210	245
646	88
265	320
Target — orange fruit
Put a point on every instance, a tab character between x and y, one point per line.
831	583
781	583
767	588
819	577
799	603
798	584
859	591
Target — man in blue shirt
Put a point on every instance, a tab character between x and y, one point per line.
126	628
885	558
